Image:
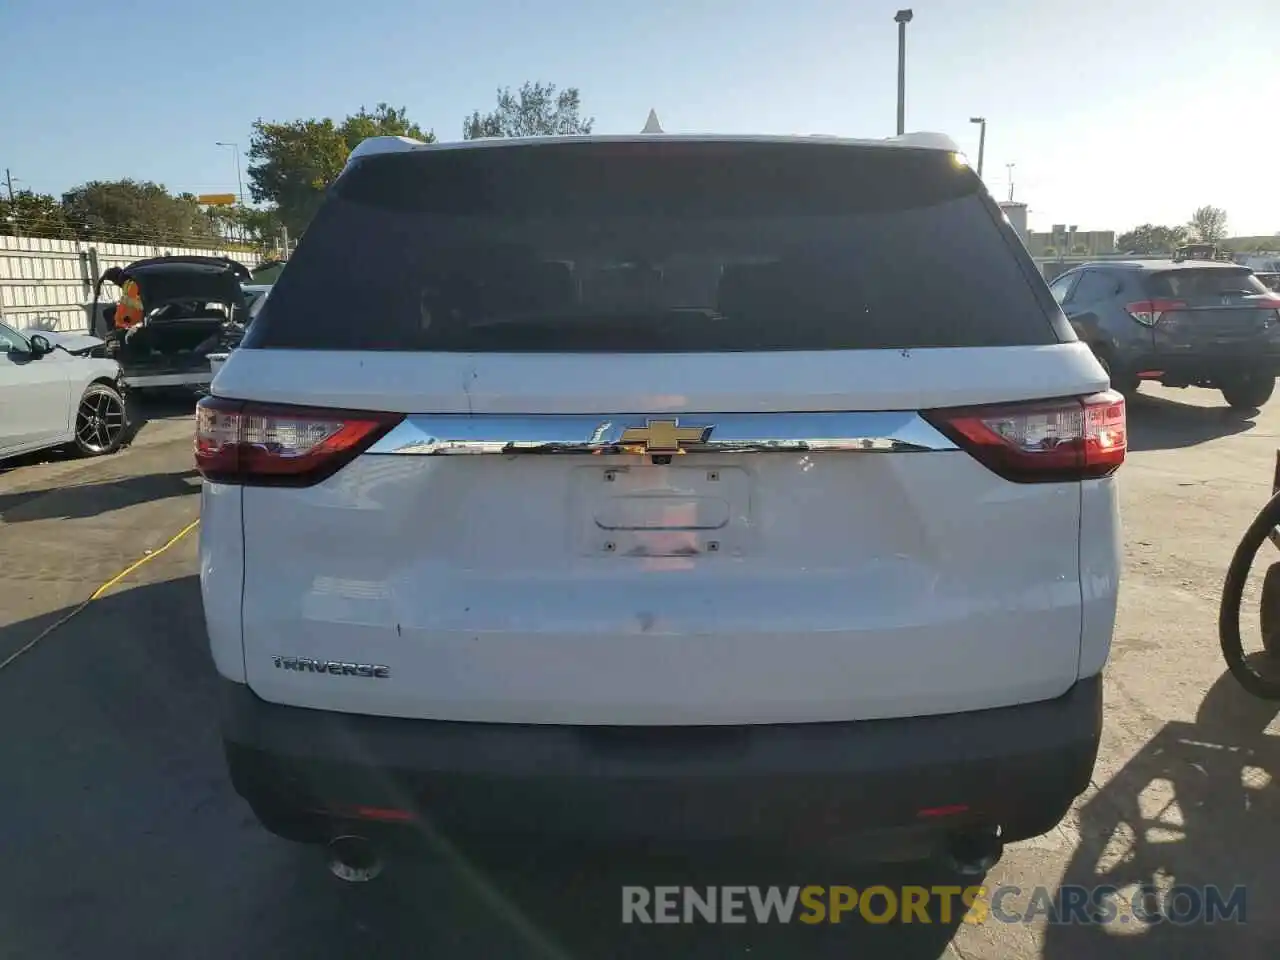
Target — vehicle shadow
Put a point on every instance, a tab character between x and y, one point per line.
569	904
1197	807
129	833
1157	423
92	499
152	405
55	455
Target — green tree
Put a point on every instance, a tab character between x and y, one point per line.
254	227
291	164
1208	224
384	121
137	211
262	226
1151	239
33	215
537	110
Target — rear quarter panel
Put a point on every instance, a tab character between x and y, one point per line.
222	575
1100	564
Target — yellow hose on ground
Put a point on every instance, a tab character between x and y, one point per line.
146	558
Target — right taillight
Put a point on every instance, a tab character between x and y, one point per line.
1043	441
259	444
1149	312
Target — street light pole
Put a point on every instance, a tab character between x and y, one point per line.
13	213
1009	167
902	18
235	149
982	140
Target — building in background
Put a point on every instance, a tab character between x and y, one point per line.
1016	213
1068	240
1062	246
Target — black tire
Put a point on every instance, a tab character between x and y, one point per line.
1125	383
102	421
1248	391
1263	685
1270	615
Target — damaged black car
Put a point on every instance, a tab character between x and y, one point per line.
170	315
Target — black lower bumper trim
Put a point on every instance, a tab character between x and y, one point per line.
1205	367
1017	766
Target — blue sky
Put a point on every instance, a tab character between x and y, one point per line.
1113	111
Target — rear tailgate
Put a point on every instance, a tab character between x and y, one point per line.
528	544
1212	311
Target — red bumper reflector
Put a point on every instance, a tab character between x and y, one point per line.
947	811
381	814
386	814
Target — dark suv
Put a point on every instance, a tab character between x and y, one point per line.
1184	323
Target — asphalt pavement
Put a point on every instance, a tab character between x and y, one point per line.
122	836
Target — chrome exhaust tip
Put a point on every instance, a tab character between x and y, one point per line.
973	853
354	859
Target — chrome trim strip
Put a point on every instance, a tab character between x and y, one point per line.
864	432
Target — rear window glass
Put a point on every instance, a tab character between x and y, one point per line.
1191	283
662	247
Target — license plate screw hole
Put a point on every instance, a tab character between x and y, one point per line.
610	547
713	546
713	475
610	476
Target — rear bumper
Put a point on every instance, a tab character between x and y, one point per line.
148	376
1019	767
176	370
1206	366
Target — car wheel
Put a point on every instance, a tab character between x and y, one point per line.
1270	610
1248	392
101	421
1125	383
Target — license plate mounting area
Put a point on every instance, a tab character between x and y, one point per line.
650	510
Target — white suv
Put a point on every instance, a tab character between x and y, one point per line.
661	486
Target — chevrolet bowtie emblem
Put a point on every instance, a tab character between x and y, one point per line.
663	436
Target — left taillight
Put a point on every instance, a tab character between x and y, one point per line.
1042	441
256	444
1149	312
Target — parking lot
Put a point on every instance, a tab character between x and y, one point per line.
121	829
